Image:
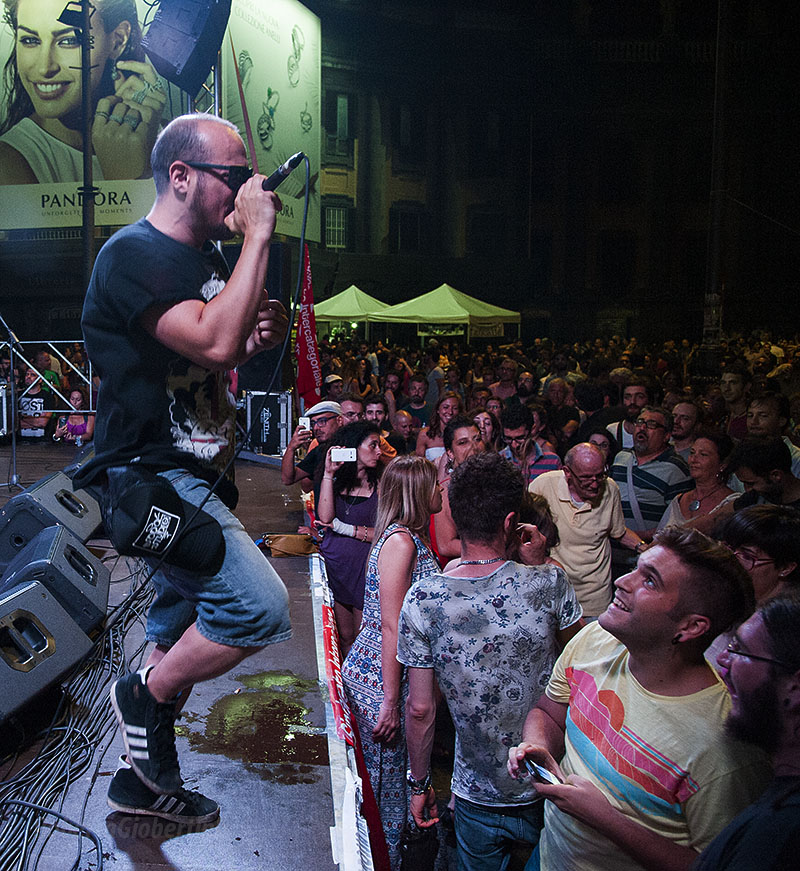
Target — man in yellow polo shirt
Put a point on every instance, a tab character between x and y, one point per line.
587	509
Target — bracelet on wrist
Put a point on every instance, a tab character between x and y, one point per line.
418	787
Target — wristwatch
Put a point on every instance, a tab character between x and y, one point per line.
418	787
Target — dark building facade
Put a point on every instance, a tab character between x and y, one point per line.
549	157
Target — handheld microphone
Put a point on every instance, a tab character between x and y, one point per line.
272	181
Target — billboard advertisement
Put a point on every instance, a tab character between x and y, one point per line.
41	143
278	54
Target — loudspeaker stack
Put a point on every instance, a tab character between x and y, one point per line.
53	590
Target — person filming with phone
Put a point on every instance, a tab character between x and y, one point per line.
632	719
346	511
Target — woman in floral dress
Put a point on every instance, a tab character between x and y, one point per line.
376	685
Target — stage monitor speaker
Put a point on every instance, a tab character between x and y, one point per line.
39	645
50	500
69	571
184	39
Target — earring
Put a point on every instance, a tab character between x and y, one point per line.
115	73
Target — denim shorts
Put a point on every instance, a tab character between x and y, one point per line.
244	605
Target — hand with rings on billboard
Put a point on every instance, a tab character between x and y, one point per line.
126	123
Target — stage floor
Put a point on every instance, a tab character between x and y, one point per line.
254	740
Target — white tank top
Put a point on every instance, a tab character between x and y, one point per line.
50	159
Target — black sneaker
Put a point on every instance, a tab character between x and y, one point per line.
148	732
128	794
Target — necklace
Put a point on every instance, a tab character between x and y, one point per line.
695	504
481	562
357	499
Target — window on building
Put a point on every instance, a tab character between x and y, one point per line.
339	124
408	135
486	147
335	227
407	229
338	223
486	231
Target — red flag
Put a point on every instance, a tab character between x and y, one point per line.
309	373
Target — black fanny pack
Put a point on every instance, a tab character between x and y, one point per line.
144	516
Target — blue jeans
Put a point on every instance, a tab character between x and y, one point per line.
244	605
486	834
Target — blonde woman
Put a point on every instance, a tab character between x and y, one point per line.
408	494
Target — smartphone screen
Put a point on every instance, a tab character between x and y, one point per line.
539	773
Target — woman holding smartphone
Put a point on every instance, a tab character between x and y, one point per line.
78	424
375	681
348	503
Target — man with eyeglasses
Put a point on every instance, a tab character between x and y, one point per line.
164	324
632	719
325	418
761	668
517	423
587	509
649	477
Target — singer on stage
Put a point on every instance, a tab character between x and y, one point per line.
163	328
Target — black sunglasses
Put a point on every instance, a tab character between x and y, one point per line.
236	177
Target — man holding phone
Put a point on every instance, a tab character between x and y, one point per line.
636	717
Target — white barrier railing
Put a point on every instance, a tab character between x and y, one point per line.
349	836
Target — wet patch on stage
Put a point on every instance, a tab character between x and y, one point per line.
265	725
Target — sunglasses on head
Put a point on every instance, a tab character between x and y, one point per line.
236	175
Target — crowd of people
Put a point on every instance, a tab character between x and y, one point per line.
53	397
590	555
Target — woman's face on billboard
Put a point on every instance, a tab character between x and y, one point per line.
49	56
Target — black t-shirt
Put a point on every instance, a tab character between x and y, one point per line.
402	445
155	406
753	497
765	835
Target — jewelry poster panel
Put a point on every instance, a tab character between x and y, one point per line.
277	46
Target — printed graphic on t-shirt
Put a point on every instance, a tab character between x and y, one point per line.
201	412
212	287
627	764
31	406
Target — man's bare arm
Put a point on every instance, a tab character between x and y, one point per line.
581	799
420	720
223	332
542	737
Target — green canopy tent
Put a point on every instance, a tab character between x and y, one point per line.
446	305
351	305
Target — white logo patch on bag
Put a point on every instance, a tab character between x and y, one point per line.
159	530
